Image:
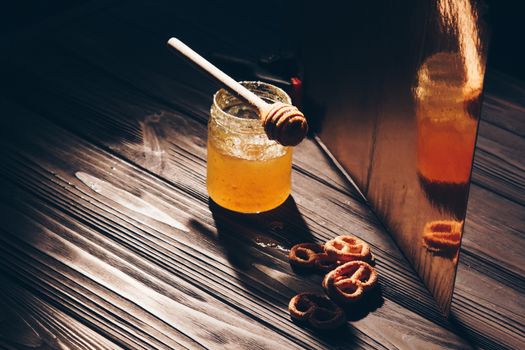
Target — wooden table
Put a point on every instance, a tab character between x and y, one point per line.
108	240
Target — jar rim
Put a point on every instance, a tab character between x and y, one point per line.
281	95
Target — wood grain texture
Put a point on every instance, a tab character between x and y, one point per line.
246	269
28	322
107	223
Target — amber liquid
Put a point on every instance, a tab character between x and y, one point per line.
248	186
445	148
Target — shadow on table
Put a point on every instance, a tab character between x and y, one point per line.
247	238
344	337
373	301
257	246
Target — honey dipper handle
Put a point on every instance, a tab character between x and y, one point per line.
224	79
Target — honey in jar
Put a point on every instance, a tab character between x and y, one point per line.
246	172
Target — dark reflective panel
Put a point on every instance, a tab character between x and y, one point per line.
395	88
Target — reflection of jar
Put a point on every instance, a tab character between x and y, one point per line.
246	171
446	126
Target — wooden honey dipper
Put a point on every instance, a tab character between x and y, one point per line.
281	121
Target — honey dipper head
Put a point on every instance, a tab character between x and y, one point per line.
285	124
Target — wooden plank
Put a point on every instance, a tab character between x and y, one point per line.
29	322
494	233
498	165
504	102
266	280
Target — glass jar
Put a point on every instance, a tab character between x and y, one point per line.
246	171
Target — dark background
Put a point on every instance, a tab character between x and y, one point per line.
506	21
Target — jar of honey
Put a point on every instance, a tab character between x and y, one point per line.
246	171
